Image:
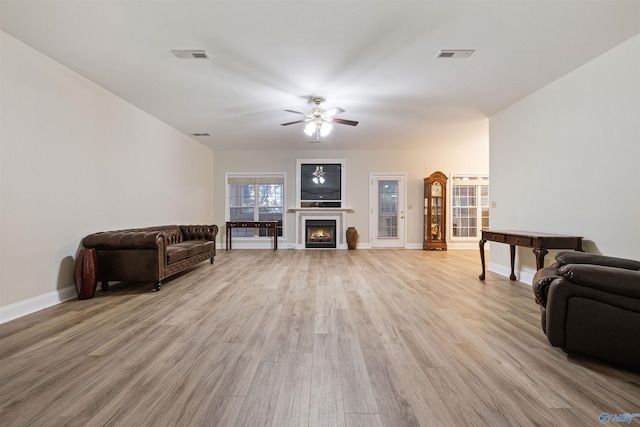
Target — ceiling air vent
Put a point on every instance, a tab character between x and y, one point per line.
190	54
201	134
455	53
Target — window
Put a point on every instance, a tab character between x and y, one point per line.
469	206
255	198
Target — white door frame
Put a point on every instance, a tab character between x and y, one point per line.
400	241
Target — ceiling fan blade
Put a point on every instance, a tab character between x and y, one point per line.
296	112
343	121
333	112
293	123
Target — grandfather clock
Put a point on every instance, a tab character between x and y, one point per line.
435	212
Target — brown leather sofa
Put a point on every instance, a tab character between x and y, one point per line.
150	254
590	304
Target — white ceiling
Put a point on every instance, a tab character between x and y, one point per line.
375	59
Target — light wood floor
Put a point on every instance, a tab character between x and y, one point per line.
305	338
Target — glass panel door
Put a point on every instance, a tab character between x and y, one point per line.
387	210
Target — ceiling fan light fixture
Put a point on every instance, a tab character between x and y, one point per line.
325	129
320	121
310	128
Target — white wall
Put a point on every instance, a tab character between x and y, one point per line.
467	154
75	159
566	160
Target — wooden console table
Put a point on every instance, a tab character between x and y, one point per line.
269	225
540	242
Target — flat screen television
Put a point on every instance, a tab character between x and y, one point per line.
320	182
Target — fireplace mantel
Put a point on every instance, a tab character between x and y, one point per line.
296	210
338	214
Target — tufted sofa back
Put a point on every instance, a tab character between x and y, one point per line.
134	237
148	237
199	232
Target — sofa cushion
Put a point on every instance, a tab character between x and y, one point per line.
565	258
176	253
195	247
612	280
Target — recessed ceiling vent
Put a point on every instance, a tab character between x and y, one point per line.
455	53
190	54
201	134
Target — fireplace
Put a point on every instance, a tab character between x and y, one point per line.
320	233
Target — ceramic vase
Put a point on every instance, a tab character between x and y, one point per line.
352	237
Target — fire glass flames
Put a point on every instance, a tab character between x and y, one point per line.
320	234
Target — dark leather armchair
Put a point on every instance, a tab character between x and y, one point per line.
590	304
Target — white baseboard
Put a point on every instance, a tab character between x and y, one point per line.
40	302
464	245
253	245
524	276
413	246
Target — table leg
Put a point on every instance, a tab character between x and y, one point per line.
540	253
512	250
275	237
482	242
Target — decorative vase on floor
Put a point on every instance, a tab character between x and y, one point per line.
85	273
352	237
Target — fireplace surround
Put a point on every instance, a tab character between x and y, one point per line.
307	214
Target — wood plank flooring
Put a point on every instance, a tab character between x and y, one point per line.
305	338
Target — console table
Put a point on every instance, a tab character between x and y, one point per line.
269	225
540	242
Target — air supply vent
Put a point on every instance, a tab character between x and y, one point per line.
455	53
201	134
190	54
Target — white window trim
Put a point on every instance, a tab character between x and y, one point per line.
227	203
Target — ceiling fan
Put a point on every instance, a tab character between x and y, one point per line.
319	120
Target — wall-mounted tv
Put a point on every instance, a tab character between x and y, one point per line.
321	183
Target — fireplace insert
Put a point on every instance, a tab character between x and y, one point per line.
320	233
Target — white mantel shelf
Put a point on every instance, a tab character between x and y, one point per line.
296	210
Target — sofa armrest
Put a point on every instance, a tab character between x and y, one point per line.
612	280
570	257
541	282
608	291
541	289
108	240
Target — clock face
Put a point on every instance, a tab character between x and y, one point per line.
436	190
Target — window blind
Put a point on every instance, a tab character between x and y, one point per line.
239	180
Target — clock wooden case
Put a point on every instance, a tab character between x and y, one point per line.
435	212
